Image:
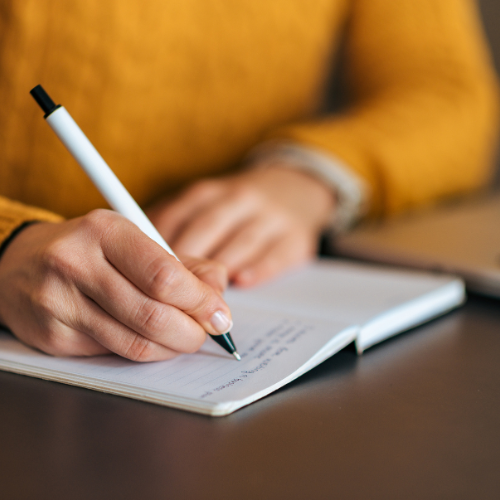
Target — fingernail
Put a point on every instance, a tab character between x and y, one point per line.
220	322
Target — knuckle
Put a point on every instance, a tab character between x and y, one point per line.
66	252
163	275
210	219
139	349
52	342
51	337
60	259
43	302
55	254
205	187
247	194
152	318
212	272
97	217
98	222
201	300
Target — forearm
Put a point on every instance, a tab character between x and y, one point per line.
422	120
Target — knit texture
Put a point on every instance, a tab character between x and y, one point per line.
173	91
13	215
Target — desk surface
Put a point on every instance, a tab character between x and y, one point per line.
416	417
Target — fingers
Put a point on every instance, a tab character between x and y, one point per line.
97	284
263	248
211	272
239	220
144	345
62	340
158	277
250	242
90	331
130	323
283	254
203	234
170	218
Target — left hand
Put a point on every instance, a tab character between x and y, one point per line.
257	223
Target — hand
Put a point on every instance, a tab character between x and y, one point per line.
257	223
97	284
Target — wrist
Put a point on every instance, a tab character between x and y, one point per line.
13	235
6	248
350	191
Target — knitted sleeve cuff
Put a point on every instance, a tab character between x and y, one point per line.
351	191
14	215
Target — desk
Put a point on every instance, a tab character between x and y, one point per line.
416	417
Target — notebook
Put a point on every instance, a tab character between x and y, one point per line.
463	238
282	329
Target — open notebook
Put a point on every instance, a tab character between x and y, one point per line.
282	330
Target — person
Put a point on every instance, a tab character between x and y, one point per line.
222	100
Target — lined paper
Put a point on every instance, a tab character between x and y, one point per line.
282	329
272	347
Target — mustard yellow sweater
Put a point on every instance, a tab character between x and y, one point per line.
169	91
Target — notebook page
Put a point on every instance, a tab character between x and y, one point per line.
352	293
272	347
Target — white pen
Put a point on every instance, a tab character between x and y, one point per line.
105	180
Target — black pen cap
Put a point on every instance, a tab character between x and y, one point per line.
43	100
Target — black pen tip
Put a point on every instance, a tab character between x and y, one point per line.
226	342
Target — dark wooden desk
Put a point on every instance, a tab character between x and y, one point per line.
416	417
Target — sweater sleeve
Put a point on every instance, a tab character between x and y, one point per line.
422	118
14	215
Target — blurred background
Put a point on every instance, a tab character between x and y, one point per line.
336	96
491	19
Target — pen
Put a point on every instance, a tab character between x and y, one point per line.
105	180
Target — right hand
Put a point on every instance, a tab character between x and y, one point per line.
97	284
